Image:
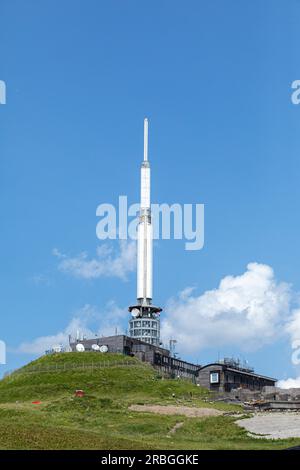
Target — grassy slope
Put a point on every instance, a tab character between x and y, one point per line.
102	420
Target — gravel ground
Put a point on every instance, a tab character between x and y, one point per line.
272	425
176	410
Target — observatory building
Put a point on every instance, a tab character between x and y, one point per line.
145	322
229	374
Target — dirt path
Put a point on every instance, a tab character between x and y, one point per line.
176	410
272	426
174	428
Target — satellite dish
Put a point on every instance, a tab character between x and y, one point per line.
95	347
103	348
80	347
135	313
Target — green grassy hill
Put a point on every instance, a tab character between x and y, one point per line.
102	418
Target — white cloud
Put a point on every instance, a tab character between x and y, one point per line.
42	344
106	322
293	327
106	264
246	311
289	383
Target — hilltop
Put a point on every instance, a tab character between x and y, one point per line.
39	409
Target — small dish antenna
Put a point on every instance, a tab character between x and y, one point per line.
95	347
80	347
135	313
103	348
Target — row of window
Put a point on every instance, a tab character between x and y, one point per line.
150	340
144	324
242	379
143	332
183	365
176	364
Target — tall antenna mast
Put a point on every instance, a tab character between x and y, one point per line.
145	140
149	330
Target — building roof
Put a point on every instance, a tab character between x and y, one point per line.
240	371
103	339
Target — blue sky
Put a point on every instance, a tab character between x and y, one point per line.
214	79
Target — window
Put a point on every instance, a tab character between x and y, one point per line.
214	377
146	332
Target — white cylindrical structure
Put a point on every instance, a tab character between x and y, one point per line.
144	324
145	186
144	262
145	139
140	262
145	235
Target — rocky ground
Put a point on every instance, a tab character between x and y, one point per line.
176	410
276	425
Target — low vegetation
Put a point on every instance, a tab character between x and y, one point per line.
39	409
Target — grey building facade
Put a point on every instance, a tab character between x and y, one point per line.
222	377
157	356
